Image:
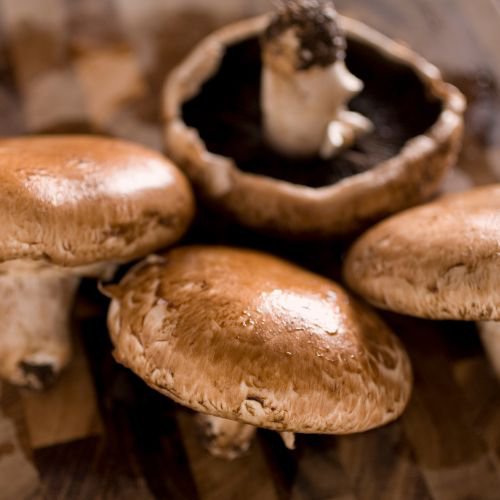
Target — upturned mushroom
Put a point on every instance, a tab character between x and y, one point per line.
73	206
250	340
436	261
310	124
305	83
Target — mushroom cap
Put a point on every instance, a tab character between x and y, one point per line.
438	261
246	336
271	204
76	200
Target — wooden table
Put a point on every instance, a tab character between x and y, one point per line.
98	66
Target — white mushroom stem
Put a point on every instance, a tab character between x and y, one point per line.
490	335
224	438
306	85
230	439
35	311
289	439
305	113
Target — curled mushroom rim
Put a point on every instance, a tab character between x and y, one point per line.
219	175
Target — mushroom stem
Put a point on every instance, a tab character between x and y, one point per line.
490	336
305	83
230	439
35	312
289	439
225	438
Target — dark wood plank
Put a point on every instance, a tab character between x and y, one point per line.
320	474
395	470
482	392
18	476
66	411
216	478
282	463
450	452
89	469
141	432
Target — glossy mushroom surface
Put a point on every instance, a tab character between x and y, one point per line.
246	336
78	200
436	261
73	206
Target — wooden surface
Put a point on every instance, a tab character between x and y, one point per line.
98	66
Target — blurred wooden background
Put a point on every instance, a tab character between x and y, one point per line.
98	66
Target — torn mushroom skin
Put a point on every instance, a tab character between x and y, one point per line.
271	345
73	206
305	83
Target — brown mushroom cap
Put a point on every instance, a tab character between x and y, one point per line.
76	200
246	336
439	261
271	204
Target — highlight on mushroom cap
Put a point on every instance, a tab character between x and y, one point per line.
73	206
246	336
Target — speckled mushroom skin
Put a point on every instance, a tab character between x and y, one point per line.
438	261
274	205
77	200
246	336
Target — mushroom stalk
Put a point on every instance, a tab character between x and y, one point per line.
490	336
305	83
225	438
35	310
288	439
230	439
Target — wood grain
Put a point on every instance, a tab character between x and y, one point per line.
50	415
98	66
216	478
20	478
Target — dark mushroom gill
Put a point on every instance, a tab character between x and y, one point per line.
227	115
